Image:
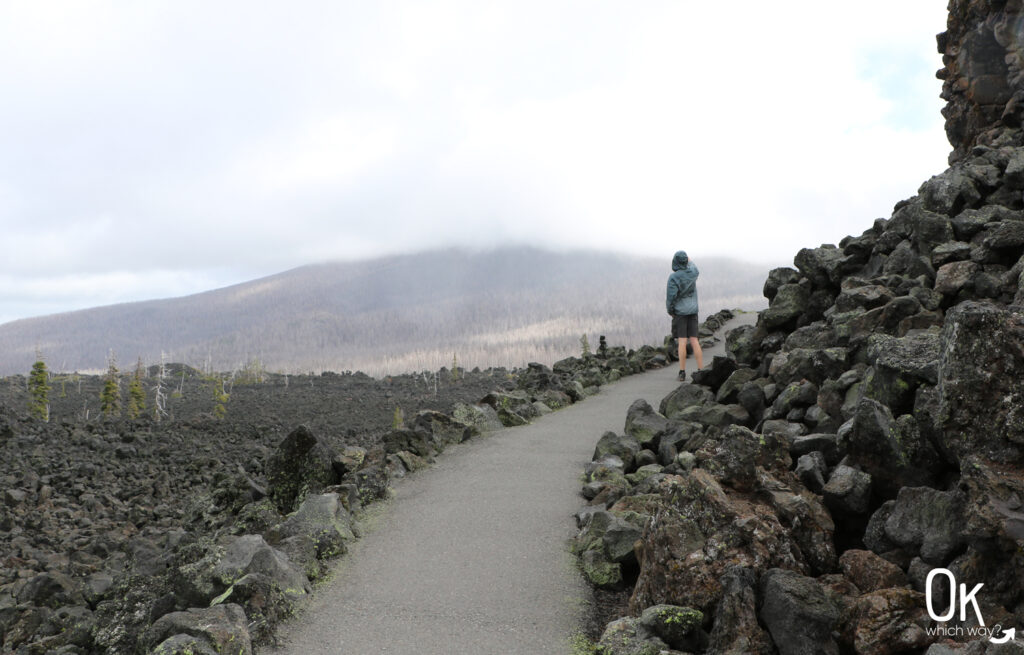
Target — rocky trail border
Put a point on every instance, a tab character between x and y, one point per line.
472	557
196	535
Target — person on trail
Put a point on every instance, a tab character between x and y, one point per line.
681	303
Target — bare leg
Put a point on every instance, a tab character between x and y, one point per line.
682	354
697	352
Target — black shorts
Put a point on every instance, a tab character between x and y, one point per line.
684	326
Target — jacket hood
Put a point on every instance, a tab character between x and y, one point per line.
680	260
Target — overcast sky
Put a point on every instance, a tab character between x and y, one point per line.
153	149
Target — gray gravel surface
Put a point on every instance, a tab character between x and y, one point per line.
471	555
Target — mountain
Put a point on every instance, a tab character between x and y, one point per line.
388	315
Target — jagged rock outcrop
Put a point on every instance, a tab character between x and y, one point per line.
983	72
884	429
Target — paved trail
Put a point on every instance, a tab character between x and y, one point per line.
471	556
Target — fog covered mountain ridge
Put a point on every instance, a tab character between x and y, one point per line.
388	315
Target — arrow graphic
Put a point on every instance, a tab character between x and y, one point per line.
1008	635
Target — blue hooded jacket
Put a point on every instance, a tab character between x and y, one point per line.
681	295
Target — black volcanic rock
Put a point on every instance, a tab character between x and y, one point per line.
716	373
798	614
981	397
217	629
789	304
303	464
981	74
778	277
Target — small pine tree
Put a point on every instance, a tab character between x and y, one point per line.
585	343
110	397
398	420
39	390
455	367
136	394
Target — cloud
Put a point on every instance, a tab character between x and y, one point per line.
220	140
60	293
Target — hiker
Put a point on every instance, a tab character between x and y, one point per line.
681	303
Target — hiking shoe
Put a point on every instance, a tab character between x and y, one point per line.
682	375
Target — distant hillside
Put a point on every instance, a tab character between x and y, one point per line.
389	315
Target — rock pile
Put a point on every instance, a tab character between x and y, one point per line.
199	535
865	438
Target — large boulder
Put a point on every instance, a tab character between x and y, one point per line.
810	524
619	540
599	571
217	629
251	554
955	277
679	627
777	277
989	518
714	415
848	491
870	572
815	365
682	398
827	445
889	621
674	566
899	367
733	458
481	417
906	260
685	436
321	519
443	428
302	464
624	447
981	398
822	265
798	614
928	521
859	295
371	483
812	470
791	302
718	372
644	424
411	441
951	251
737	630
728	391
513	408
626	636
1005	236
798	395
897	317
744	343
893	452
604	543
949	192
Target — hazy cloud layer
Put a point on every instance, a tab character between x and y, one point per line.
154	149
